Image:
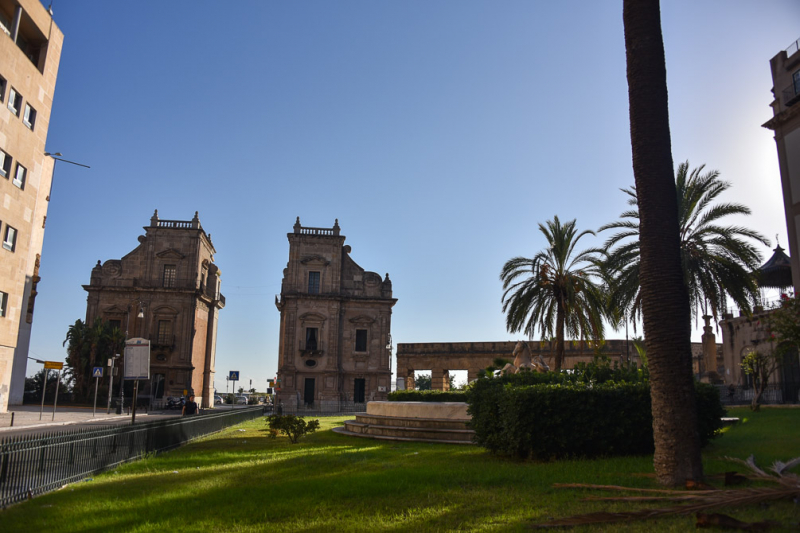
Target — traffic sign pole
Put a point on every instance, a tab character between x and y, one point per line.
55	401
94	410
44	388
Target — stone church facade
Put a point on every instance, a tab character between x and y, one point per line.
171	280
335	325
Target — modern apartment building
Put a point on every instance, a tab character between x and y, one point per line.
335	330
30	50
786	125
167	290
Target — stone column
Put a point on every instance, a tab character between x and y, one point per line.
472	374
439	379
709	348
410	384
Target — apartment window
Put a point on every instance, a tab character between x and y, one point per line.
170	271
361	340
3	303
29	117
19	176
2	88
5	164
164	332
311	338
10	240
14	101
313	283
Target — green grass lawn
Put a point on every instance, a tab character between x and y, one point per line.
241	481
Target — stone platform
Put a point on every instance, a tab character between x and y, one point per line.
444	422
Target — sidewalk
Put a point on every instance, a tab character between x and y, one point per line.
27	417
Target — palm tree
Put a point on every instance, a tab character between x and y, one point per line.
554	291
665	305
717	260
89	346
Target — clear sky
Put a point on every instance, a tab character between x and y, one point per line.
439	133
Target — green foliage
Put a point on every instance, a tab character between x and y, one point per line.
555	291
784	324
292	426
87	347
717	260
33	387
422	382
556	415
427	396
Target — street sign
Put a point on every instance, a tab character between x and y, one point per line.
137	359
234	375
97	372
53	365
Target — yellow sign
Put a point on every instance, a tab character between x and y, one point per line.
53	365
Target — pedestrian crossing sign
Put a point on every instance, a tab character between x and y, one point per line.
97	372
234	375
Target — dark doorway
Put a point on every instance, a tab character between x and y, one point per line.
791	377
308	392
358	390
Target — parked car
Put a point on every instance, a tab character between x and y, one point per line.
241	400
218	400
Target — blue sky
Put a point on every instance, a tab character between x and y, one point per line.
439	133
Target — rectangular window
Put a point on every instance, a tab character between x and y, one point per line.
10	241
3	303
311	338
313	283
19	176
164	332
170	271
115	324
5	164
14	101
2	89
361	340
29	117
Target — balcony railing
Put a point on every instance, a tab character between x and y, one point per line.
311	348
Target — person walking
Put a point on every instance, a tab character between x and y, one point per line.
191	407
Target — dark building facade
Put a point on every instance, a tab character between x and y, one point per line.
171	280
335	326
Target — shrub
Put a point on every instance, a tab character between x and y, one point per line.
562	419
292	426
427	396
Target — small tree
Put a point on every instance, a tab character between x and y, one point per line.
761	367
290	425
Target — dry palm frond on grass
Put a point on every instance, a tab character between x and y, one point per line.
693	501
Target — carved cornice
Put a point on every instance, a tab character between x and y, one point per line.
170	253
312	317
315	260
362	320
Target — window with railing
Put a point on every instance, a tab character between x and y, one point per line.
312	335
170	275
313	283
164	332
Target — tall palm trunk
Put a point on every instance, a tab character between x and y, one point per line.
560	317
665	300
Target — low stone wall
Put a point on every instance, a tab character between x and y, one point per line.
427	410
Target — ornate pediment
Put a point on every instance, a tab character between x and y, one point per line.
164	310
315	260
114	310
312	317
170	253
362	320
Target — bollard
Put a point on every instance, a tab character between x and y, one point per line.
12	419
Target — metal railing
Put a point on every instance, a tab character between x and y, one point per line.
774	394
35	464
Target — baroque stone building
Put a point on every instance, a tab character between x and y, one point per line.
171	280
335	325
30	51
785	123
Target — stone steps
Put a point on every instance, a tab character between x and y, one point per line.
408	429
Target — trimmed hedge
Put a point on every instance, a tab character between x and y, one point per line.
427	396
543	416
